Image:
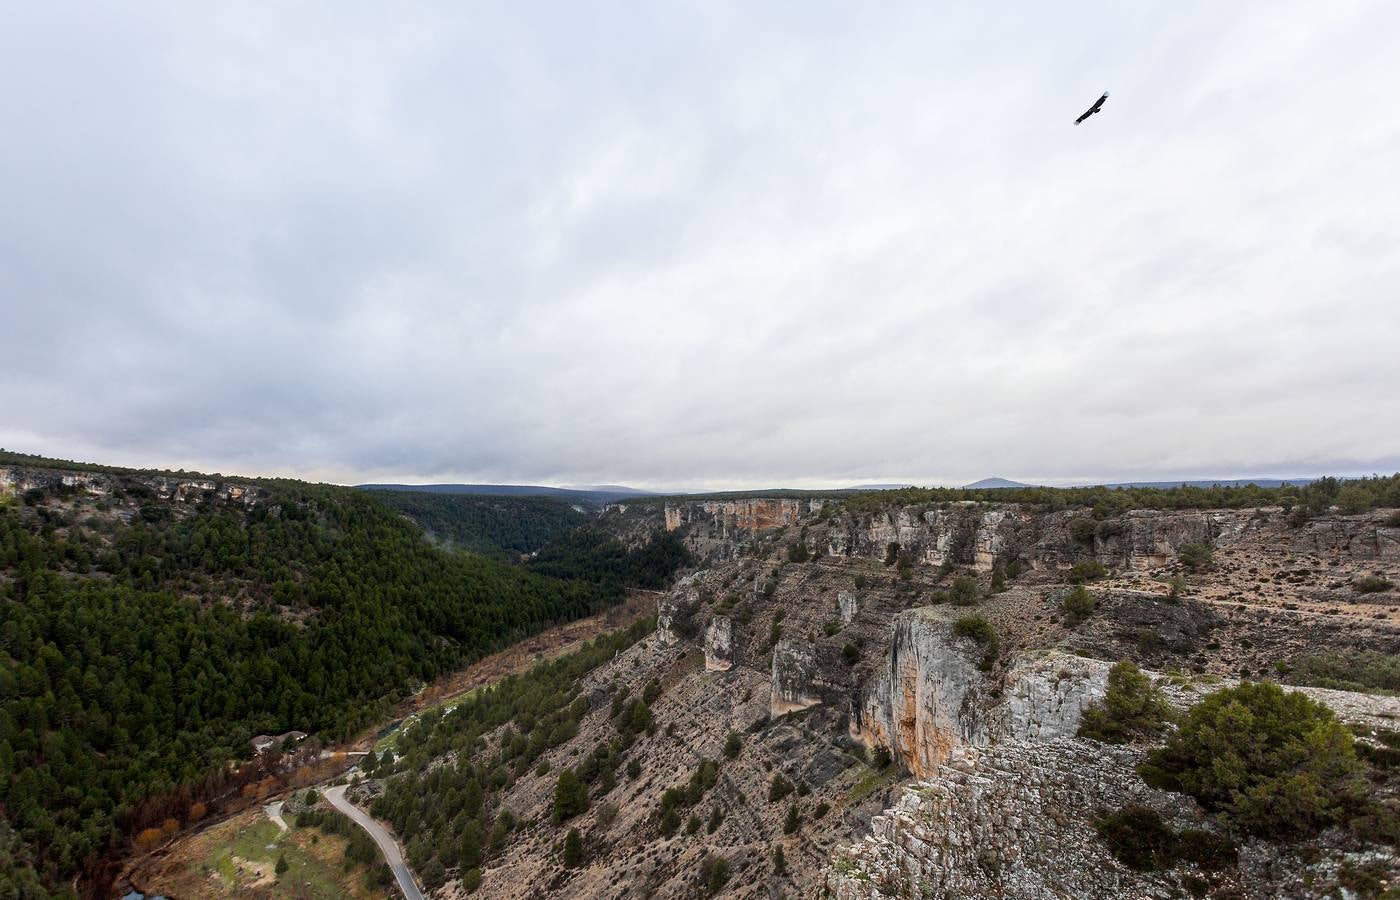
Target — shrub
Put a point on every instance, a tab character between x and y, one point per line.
716	820
779	788
880	757
732	745
998	578
471	879
1078	605
1195	556
1371	584
1138	837
1083	530
1177	587
1089	570
714	872
570	796
634	767
822	809
1132	707
779	861
980	630
964	591
282	866
1206	849
1270	763
573	849
850	654
891	554
792	821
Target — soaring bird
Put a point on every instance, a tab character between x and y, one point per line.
1097	107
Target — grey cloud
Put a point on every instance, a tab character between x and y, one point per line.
726	246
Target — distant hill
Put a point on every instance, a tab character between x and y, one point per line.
994	483
489	524
589	497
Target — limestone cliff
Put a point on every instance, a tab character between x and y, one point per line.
719	644
930	697
794	678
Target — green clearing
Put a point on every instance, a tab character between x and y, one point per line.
247	862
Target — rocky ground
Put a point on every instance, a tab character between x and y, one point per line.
814	639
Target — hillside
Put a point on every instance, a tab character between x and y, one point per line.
505	527
151	624
866	699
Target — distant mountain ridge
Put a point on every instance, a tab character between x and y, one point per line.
997	483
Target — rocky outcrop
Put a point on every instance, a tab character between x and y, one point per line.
1046	694
978	536
794	678
847	605
139	486
929	699
675	610
744	515
719	644
1012	821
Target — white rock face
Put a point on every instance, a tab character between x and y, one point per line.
1046	695
719	644
793	679
847	606
989	543
930	697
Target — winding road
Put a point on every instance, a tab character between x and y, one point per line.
387	845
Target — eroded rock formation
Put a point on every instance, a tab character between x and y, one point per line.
794	678
719	644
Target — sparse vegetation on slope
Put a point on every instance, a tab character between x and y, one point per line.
430	810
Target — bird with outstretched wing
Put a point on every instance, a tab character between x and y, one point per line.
1098	105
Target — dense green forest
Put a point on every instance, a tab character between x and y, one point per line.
144	641
598	557
493	526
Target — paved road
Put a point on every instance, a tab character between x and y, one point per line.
274	812
387	845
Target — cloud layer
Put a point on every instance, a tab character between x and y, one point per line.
702	244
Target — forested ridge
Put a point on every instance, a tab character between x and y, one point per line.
144	641
483	523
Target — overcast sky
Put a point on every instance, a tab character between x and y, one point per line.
702	244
